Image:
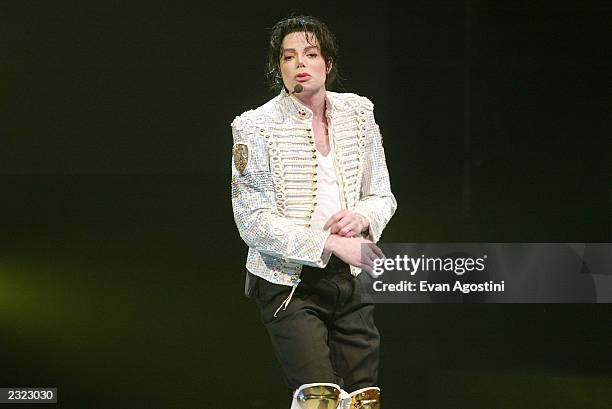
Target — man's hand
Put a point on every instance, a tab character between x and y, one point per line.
351	251
347	224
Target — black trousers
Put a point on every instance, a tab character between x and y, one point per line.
326	334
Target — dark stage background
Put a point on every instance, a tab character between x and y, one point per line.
121	271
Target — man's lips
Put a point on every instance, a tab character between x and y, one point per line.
302	77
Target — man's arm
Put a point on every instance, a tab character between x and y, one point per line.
377	204
259	223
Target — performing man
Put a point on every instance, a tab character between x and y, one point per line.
311	197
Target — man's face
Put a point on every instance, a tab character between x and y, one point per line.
301	62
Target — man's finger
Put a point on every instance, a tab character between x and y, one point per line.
367	256
377	251
366	262
344	221
344	230
341	226
335	218
329	222
353	233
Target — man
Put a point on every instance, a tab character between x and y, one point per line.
311	196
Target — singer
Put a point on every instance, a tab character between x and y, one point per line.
311	197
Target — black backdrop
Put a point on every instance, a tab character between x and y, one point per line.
121	271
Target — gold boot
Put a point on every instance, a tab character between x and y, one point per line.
316	396
366	398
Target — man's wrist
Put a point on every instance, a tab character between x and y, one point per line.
365	223
331	244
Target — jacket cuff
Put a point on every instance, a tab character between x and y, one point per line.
374	232
320	257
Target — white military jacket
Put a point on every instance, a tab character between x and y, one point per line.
274	180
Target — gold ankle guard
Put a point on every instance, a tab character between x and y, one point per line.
368	399
318	397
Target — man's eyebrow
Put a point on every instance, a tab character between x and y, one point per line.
305	49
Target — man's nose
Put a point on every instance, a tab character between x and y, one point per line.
300	61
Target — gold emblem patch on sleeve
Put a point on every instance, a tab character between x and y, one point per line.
241	156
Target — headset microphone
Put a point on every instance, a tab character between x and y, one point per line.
297	89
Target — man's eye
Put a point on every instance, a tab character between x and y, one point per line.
287	57
313	55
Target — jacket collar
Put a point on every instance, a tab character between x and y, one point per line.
294	108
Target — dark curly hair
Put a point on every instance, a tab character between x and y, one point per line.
309	25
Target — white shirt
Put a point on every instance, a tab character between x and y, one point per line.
328	192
